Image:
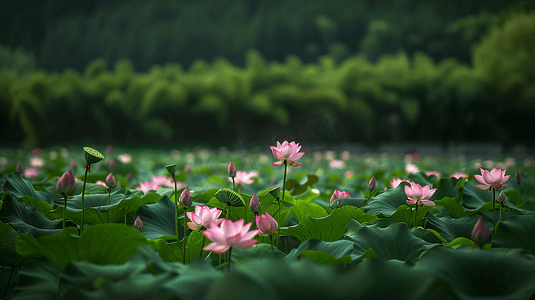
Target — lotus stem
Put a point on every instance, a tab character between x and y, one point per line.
176	211
83	201
229	257
109	200
415	214
280	202
202	245
64	211
184	251
493	209
233	185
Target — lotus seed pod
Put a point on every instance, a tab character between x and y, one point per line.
92	156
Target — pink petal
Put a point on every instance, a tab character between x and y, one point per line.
296	156
428	202
217	248
487	177
482	187
408	192
246	244
294	164
193	226
276	164
276	153
480	179
411	201
249	235
504	179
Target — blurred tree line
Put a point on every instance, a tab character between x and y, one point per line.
413	72
71	34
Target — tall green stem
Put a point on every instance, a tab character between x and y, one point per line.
184	252
83	200
176	212
229	257
493	211
233	185
202	245
415	214
280	202
109	200
64	211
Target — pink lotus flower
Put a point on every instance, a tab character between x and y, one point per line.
418	194
243	177
495	179
230	234
429	173
339	195
37	162
66	184
36	151
255	205
204	216
74	165
31	173
394	183
288	152
459	175
349	173
146	186
165	181
125	158
267	224
337	164
410	168
109	149
480	232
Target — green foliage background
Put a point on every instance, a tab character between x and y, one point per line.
423	70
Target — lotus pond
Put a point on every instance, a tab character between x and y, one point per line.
285	226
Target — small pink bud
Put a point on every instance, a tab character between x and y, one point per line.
73	165
109	149
110	181
66	185
36	151
186	197
517	177
231	170
501	197
371	184
19	168
187	169
254	205
480	233
129	176
138	224
267	224
113	164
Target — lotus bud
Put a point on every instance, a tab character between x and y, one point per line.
110	181
171	169
109	149
36	151
371	184
187	168
138	224
231	170
480	233
517	177
66	184
254	205
19	168
186	197
129	176
267	224
74	165
113	164
92	156
501	198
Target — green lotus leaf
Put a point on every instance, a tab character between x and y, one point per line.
298	187
474	199
100	244
448	187
257	251
468	273
20	187
8	253
388	202
450	229
38	280
329	228
406	213
159	220
393	242
174	252
337	252
304	209
29	219
516	232
453	208
230	197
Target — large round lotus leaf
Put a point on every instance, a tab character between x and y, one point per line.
229	196
481	274
38	280
516	232
100	244
159	220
